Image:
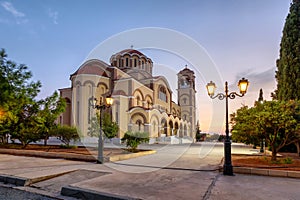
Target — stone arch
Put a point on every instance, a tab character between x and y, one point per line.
139	98
135	60
154	131
89	82
176	127
138	122
102	84
164	126
101	90
171	126
148	101
185	115
162	93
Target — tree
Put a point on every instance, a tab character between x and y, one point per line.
110	128
50	109
278	124
94	128
288	64
244	127
134	139
198	132
17	101
276	121
66	134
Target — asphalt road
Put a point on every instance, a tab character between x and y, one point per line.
8	193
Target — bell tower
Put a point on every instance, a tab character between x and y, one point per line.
187	97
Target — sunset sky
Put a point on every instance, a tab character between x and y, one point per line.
240	37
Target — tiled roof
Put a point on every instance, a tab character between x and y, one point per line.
93	67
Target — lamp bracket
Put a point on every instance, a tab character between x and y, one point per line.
231	95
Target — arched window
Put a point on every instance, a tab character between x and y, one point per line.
127	62
135	62
121	62
148	104
143	63
139	124
138	100
162	93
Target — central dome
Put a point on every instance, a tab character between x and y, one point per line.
132	61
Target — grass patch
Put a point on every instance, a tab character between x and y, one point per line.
288	160
276	161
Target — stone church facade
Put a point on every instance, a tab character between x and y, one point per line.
142	102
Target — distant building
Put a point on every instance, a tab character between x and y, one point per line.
142	102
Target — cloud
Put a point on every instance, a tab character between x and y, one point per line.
53	15
10	8
263	79
19	16
258	78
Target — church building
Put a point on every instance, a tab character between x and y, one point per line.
141	101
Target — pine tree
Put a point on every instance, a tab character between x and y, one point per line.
288	64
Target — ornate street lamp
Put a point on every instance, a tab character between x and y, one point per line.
243	86
101	107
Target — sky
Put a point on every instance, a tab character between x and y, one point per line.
241	37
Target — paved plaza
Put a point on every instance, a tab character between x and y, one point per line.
174	172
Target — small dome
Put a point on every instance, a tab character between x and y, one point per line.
95	67
131	51
131	61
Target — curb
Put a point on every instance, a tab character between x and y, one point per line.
266	172
80	193
14	180
76	157
67	156
21	181
129	156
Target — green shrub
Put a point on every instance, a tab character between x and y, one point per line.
275	161
265	158
287	160
66	134
133	139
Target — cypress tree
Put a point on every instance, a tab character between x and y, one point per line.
288	64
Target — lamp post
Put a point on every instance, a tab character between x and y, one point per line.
211	86
101	107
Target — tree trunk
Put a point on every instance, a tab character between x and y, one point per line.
274	153
45	141
24	144
298	147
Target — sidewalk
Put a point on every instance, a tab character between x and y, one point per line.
174	172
